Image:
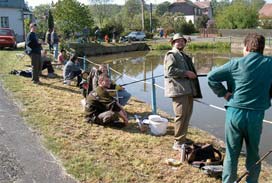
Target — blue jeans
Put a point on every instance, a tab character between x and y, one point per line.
124	97
56	50
242	124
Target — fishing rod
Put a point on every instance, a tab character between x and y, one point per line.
199	75
247	172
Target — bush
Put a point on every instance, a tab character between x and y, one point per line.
212	45
149	35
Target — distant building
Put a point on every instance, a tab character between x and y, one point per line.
205	7
265	16
12	14
266	11
190	10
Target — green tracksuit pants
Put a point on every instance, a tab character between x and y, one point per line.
242	124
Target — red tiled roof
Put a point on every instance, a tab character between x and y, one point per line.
180	1
266	10
202	4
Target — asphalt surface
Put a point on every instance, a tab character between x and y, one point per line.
22	157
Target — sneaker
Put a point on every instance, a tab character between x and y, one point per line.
177	146
51	75
67	82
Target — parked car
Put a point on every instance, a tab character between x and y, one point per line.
7	38
136	35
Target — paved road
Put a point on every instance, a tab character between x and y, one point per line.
22	158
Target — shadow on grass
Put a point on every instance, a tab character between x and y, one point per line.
51	85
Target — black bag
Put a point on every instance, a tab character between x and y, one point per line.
200	155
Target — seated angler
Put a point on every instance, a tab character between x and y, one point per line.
46	64
101	108
72	70
123	95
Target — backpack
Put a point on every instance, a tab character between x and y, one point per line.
199	155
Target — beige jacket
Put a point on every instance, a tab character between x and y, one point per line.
176	63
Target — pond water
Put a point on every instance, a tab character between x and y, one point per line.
140	65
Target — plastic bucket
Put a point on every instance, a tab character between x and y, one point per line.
157	124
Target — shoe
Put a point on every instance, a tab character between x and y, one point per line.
36	82
51	75
67	82
177	146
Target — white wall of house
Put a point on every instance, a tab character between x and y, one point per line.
190	17
14	20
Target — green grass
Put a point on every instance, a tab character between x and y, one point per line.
193	46
93	153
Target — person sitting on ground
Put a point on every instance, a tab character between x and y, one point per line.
123	95
71	70
101	108
62	57
46	64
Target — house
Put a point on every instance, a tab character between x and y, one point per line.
205	7
190	10
266	11
12	14
265	16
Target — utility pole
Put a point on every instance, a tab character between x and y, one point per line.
143	24
150	17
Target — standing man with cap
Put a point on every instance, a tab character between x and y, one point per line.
33	49
182	85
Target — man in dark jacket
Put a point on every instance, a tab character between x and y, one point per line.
71	70
33	49
182	85
101	108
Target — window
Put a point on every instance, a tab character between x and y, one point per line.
4	22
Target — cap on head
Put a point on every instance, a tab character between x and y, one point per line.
178	36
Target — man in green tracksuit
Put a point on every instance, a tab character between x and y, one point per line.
249	80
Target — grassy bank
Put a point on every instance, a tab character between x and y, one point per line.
192	45
92	153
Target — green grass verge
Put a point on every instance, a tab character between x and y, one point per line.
92	153
193	46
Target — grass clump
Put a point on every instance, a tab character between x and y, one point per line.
93	153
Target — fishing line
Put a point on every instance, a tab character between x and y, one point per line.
161	87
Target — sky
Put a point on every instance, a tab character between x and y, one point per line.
34	3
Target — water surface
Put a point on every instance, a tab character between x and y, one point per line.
139	65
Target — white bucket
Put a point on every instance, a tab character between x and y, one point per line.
157	124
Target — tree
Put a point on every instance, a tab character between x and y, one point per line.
41	12
256	4
72	16
175	22
217	7
201	22
162	8
50	20
129	13
238	15
100	10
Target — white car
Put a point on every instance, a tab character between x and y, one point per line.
136	35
